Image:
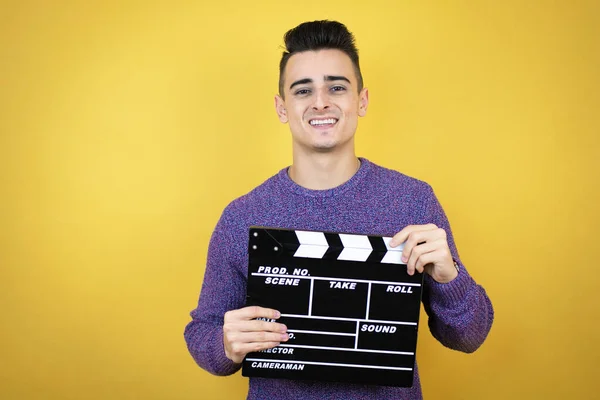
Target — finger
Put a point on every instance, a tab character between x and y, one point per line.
233	329
402	236
414	239
437	247
440	257
257	326
427	259
237	351
417	238
255	337
251	312
263	345
410	269
429	268
420	268
417	252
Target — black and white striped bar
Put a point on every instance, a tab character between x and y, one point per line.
347	247
351	309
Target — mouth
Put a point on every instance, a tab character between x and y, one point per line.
323	122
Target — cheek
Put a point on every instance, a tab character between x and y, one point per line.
297	115
351	113
295	122
351	122
351	108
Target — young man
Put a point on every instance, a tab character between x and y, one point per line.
327	188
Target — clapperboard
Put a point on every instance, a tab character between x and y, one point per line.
351	309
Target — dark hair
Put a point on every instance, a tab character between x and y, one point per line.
319	35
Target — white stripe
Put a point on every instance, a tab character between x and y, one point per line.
387	241
350	319
302	346
356	241
368	301
354	254
312	283
321	332
310	251
392	257
314	238
394	254
331	364
323	278
356	339
356	247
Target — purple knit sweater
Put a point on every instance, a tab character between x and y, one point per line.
375	201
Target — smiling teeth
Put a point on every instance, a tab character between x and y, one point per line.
322	121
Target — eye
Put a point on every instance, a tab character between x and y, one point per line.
302	92
338	88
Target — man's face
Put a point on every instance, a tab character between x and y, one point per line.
322	103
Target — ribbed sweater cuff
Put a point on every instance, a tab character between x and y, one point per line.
452	293
220	361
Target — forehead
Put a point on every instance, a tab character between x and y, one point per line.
318	64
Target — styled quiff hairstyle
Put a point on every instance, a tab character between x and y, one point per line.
319	35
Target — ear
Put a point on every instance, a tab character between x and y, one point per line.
363	102
280	109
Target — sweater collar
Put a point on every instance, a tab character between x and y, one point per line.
289	185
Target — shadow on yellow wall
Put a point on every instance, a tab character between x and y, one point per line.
126	128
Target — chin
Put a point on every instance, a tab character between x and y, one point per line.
323	150
324	147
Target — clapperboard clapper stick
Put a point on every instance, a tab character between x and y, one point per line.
351	309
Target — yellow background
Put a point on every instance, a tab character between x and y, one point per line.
126	127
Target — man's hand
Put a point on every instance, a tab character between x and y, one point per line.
242	334
426	249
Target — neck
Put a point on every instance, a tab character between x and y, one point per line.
323	171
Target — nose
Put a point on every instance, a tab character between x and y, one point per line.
321	100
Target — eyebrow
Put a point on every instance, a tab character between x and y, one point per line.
328	78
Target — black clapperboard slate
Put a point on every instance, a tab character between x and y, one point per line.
351	309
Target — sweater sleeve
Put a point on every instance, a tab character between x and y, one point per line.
223	289
460	312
